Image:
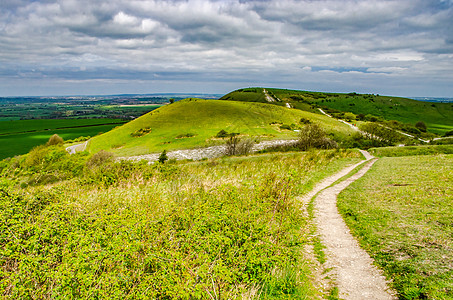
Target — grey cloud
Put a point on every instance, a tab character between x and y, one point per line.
234	41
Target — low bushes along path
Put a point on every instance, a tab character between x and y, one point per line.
351	267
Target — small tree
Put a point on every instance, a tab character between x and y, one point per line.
55	140
420	126
361	117
349	116
172	100
236	146
222	134
163	157
313	136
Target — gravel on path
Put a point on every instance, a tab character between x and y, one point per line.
350	266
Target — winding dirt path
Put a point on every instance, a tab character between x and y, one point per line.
350	266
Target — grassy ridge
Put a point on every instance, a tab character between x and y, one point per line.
437	116
203	119
246	95
18	137
227	228
402	212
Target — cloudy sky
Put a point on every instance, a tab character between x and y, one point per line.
79	47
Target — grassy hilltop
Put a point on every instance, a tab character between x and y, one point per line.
194	122
437	116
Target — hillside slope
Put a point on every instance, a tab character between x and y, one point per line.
194	123
437	116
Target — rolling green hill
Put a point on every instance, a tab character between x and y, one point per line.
194	123
437	116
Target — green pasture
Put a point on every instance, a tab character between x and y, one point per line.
22	126
15	140
246	95
202	120
402	213
437	116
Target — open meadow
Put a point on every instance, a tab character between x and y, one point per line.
401	211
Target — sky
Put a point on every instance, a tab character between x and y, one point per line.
95	47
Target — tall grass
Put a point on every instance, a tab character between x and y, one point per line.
212	229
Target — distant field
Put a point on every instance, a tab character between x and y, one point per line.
402	213
201	120
72	109
18	137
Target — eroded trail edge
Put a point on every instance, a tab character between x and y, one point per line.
348	264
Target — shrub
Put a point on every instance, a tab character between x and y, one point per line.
163	157
305	121
223	134
360	117
349	116
285	127
55	140
185	135
313	136
420	126
100	158
449	133
141	132
236	146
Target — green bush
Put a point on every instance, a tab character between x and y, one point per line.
163	157
100	158
185	135
449	133
285	127
141	132
420	125
55	140
313	136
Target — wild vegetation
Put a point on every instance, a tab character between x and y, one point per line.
401	211
81	226
90	226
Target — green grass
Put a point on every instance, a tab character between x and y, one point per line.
223	228
203	119
18	137
412	150
437	116
246	95
402	212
